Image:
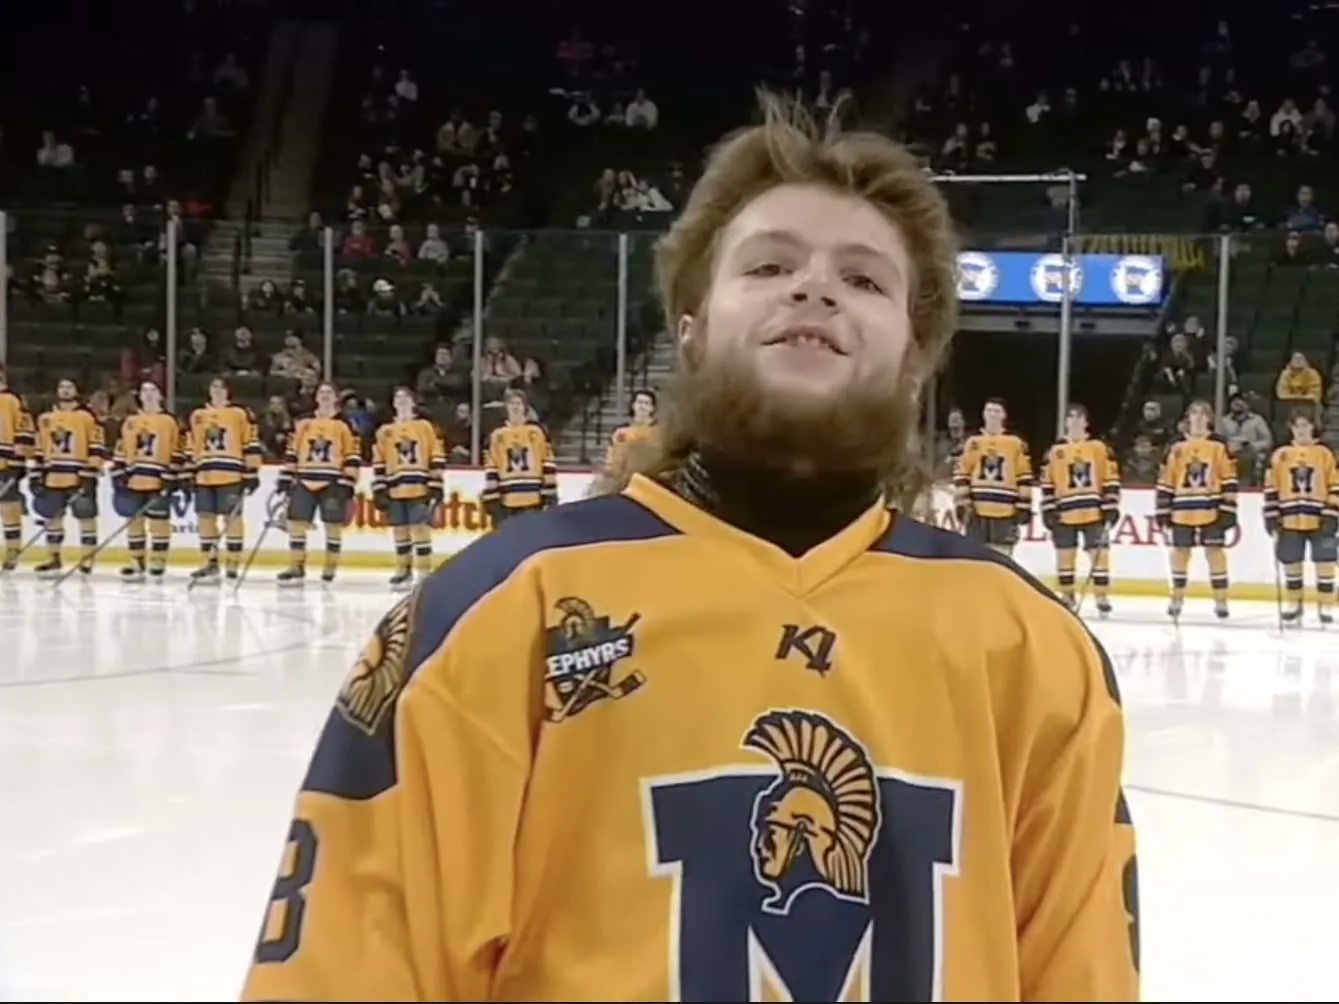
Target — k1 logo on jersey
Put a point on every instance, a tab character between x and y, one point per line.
819	878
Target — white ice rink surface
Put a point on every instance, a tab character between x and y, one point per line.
151	742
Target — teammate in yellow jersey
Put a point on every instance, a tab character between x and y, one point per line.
992	483
723	734
1080	501
68	455
16	447
408	461
642	429
145	471
320	472
520	475
1196	500
224	465
1301	511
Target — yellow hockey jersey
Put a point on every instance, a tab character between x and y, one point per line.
1302	486
994	477
1197	481
322	452
224	445
628	436
149	452
16	435
519	470
408	457
1080	482
555	773
69	446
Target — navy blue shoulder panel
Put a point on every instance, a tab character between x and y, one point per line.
914	539
355	762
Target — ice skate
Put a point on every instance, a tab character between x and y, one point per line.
132	573
48	569
206	575
292	576
402	580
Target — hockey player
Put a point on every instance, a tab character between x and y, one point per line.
519	471
1080	501
408	462
725	734
992	485
145	470
640	430
67	458
224	463
1197	501
16	447
1301	511
320	474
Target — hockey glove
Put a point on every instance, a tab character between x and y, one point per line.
963	514
382	500
1329	526
1050	519
1023	517
36	483
494	510
436	495
1272	526
1226	520
88	487
1164	520
250	483
1111	516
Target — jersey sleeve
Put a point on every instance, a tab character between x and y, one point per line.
1331	510
548	472
97	448
962	473
252	451
353	459
1227	475
379	461
492	482
1047	483
1074	866
290	464
1111	487
1165	492
25	436
122	450
1024	478
396	880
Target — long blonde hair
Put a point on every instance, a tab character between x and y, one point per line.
790	146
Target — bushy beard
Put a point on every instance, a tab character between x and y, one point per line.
717	403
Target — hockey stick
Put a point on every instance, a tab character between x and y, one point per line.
41	531
212	554
272	505
88	560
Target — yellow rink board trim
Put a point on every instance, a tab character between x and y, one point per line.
115	557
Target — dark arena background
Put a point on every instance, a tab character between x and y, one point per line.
464	197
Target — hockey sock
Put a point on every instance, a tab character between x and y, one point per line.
1102	573
88	539
11	519
1180	562
402	548
1217	574
1064	566
1293	577
55	537
1325	584
333	537
236	535
160	530
135	540
209	537
297	543
423	549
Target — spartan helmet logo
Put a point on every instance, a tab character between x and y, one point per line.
814	826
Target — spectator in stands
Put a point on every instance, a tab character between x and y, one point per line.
1319	126
642	112
1153	426
457	434
1328	253
230	74
295	360
1248	438
1305	216
1241	213
583	111
358	244
54	154
1231	382
1293	252
188	237
405	88
429	301
152	191
433	248
1177	366
1286	114
196	358
498	368
950	443
535	385
349	297
242	356
355	206
297	300
311	238
100	285
384	303
1299	382
145	361
359	414
265	298
397	248
302	400
276	426
1140	466
440	383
